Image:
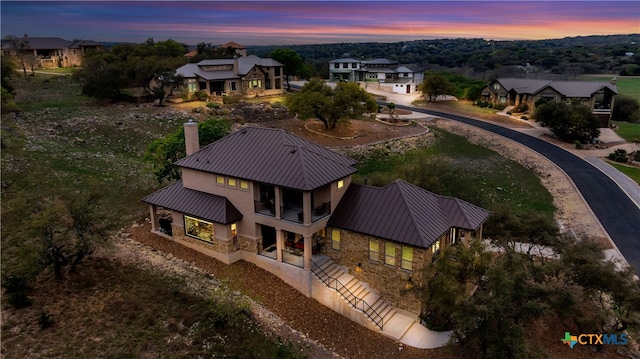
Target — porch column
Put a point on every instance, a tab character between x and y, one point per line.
154	218
277	192
306	207
307	252
279	244
479	232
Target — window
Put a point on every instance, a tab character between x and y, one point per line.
231	182
255	84
198	228
234	231
374	249
233	86
244	185
336	66
220	180
345	65
407	258
335	239
192	85
277	71
354	65
436	246
496	86
340	184
278	84
390	254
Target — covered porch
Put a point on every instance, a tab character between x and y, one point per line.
290	247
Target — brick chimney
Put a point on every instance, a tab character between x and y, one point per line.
235	65
191	140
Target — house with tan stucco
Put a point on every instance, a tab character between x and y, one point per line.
49	52
289	206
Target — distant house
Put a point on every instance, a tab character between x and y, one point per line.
390	75
239	49
248	76
289	206
598	96
50	52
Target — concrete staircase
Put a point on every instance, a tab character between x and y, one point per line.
353	291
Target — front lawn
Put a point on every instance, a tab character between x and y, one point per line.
631	172
629	131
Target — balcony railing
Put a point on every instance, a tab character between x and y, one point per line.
291	213
265	208
321	211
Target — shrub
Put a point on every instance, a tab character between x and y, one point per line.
578	144
213	105
523	117
522	107
17	291
200	95
231	99
45	320
619	155
636	156
499	106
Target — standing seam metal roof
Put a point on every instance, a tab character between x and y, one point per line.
567	88
404	213
271	156
199	204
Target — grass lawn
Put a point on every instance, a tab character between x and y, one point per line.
629	131
631	172
454	167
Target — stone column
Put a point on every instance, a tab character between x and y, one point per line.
307	252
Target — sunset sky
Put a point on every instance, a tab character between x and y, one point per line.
315	22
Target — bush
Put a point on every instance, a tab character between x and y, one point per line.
17	291
231	99
523	117
200	96
522	107
578	144
499	106
619	155
213	105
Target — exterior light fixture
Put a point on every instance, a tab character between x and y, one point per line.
359	268
409	284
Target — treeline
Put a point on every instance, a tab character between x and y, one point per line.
479	58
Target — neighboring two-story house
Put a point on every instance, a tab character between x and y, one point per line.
388	74
598	96
49	52
289	206
248	76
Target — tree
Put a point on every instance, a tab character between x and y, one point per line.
167	80
7	71
103	75
292	62
626	108
329	105
164	152
436	85
569	123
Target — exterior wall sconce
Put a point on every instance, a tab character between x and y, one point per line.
359	268
409	284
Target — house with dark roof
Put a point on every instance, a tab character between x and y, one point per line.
598	96
289	206
247	76
384	73
50	52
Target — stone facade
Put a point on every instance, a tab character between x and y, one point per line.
390	280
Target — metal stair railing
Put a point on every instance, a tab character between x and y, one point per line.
358	303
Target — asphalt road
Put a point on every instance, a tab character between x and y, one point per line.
617	213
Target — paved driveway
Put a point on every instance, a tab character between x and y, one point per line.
618	214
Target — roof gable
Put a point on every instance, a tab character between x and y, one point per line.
271	156
566	88
404	213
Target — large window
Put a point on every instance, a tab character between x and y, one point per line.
198	228
436	246
335	239
407	258
374	249
390	253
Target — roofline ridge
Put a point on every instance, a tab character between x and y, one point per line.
399	184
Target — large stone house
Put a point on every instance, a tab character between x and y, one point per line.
387	74
248	76
49	52
598	96
289	206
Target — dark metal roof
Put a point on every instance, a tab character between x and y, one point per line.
566	88
404	213
271	156
198	204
